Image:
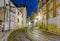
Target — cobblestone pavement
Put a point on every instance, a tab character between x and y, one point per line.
32	35
15	36
38	35
5	36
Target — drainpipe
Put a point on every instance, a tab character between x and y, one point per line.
4	13
9	16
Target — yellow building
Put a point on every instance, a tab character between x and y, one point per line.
51	14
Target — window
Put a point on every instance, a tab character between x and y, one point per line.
44	10
44	1
18	13
1	12
18	20
1	22
50	5
22	22
50	14
47	1
58	11
57	1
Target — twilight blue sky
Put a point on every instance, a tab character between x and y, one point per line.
31	5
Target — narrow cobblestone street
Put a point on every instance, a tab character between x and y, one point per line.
31	35
29	20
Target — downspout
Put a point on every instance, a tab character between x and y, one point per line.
4	13
9	16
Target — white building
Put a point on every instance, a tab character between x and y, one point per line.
21	16
13	16
10	17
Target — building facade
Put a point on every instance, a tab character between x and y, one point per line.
21	16
51	14
11	16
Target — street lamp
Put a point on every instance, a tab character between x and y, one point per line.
29	23
39	17
35	20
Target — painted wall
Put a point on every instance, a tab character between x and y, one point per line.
1	3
